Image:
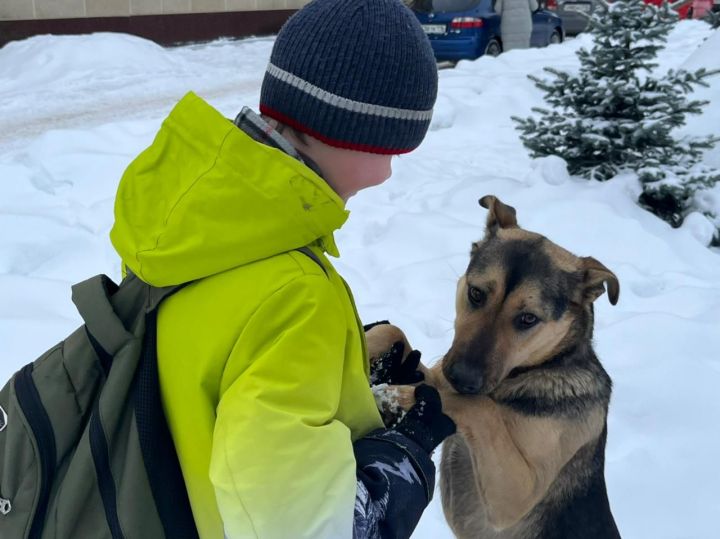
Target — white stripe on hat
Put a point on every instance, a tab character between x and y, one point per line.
343	102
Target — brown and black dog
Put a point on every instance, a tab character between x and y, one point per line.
527	392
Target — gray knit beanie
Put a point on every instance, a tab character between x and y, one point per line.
357	74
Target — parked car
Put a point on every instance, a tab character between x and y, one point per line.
696	9
690	9
467	29
576	13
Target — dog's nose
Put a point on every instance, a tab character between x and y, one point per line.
465	387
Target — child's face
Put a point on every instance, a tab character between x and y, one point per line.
349	171
346	171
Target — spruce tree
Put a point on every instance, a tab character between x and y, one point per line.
617	114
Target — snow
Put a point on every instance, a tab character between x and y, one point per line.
551	169
74	111
75	81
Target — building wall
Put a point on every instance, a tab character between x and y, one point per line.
167	22
17	10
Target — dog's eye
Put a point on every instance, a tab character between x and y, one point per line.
476	296
526	320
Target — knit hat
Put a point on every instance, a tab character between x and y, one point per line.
356	74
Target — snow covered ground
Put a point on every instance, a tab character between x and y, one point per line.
74	111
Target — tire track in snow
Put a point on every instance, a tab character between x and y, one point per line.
83	114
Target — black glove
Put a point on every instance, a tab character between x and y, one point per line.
396	474
425	423
368	327
391	369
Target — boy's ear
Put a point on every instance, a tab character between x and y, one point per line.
596	277
499	215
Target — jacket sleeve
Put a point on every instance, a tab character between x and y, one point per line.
281	465
396	478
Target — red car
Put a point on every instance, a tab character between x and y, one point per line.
575	13
690	9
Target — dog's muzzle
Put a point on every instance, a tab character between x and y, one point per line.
462	379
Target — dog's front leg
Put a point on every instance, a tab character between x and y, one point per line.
515	458
509	483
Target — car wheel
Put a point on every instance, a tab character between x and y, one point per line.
493	48
556	37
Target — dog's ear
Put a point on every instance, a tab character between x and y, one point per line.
499	215
596	277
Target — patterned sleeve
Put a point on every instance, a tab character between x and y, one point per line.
396	478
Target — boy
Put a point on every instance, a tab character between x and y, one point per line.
263	363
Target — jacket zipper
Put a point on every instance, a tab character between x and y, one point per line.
37	417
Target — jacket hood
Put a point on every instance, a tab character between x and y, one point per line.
205	198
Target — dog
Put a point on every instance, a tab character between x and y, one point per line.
526	390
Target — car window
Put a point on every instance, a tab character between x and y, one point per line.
440	6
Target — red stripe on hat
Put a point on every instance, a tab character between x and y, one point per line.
367	148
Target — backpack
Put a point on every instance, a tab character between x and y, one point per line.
85	448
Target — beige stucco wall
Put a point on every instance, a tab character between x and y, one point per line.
67	9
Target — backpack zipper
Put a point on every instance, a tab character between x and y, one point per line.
3	419
37	417
5	506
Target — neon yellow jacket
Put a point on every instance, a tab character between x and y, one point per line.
262	359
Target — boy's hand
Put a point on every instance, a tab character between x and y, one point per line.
425	423
394	367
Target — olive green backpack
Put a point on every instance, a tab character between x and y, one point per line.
85	450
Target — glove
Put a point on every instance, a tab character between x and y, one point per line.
390	368
425	423
368	327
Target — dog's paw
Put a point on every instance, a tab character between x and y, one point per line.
393	402
405	396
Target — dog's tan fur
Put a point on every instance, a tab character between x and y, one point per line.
514	460
529	434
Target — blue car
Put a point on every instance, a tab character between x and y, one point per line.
467	29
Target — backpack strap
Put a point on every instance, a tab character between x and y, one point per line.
315	258
104	318
162	465
158	294
92	299
107	308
